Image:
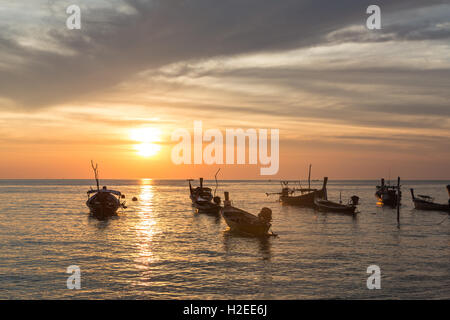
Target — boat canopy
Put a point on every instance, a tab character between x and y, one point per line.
203	189
105	190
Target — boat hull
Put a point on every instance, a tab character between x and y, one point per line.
329	206
430	206
304	200
103	206
208	207
244	222
387	199
202	199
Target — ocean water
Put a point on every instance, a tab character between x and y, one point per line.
158	248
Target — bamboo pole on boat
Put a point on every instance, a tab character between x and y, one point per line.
309	177
227	201
95	168
324	188
217	184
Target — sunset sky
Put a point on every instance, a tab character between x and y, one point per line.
356	103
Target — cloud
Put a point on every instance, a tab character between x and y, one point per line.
411	24
44	64
412	95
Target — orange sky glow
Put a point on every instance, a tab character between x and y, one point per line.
354	103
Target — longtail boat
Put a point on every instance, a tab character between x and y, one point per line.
203	200
423	202
245	222
330	206
103	203
306	196
388	195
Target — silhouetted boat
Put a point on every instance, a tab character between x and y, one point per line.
244	222
203	200
104	202
423	202
330	206
388	195
306	198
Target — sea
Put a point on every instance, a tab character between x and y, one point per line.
160	248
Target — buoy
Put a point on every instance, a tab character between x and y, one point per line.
134	199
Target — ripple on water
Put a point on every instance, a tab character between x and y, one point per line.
160	249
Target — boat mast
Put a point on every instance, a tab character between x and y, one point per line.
217	184
412	194
95	168
190	186
324	188
309	177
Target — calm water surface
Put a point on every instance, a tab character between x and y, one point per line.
160	249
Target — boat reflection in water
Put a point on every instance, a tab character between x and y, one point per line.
263	245
238	246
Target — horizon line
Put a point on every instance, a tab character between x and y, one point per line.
184	179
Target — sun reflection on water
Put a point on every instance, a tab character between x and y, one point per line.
146	227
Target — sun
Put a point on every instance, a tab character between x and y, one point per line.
146	135
147	149
148	138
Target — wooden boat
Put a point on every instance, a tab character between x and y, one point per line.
307	196
330	206
423	202
203	200
103	203
244	222
388	195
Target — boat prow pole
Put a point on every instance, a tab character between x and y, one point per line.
324	187
190	186
227	199
309	177
95	168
